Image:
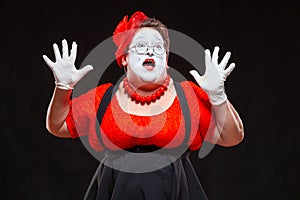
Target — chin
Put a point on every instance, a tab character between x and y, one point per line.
152	77
148	79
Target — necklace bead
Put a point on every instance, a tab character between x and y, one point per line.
146	99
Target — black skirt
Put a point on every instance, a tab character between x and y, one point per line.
176	181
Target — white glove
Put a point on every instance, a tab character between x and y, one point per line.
65	73
212	82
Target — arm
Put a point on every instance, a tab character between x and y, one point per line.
57	112
66	76
229	130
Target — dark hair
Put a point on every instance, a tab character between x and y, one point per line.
161	28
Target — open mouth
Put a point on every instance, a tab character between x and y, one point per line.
149	64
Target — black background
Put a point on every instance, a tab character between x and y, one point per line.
264	41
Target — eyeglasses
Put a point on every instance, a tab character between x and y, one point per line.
142	48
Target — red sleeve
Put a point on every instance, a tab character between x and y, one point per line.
202	125
81	119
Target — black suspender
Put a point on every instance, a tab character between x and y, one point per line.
106	99
186	113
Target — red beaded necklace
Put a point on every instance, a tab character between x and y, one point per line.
146	99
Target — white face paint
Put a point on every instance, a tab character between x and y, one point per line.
137	69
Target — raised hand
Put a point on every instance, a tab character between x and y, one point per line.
65	73
214	77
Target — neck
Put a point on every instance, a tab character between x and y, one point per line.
146	89
149	93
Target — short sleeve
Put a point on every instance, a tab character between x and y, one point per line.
202	125
81	118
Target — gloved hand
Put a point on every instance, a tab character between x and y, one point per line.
212	82
65	73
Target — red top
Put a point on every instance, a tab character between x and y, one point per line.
121	130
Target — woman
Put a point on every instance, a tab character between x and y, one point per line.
148	111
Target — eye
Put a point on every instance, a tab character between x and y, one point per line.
159	46
141	45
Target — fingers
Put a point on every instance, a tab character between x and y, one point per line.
229	69
73	52
65	50
207	57
225	60
196	76
56	52
84	71
48	61
215	55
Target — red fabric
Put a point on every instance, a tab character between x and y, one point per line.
81	119
121	130
125	31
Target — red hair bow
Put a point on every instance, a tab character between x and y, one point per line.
125	31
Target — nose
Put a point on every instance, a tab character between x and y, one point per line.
150	51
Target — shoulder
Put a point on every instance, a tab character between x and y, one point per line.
191	88
100	90
92	96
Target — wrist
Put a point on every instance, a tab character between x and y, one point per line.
63	86
217	99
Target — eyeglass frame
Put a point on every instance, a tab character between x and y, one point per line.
129	48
